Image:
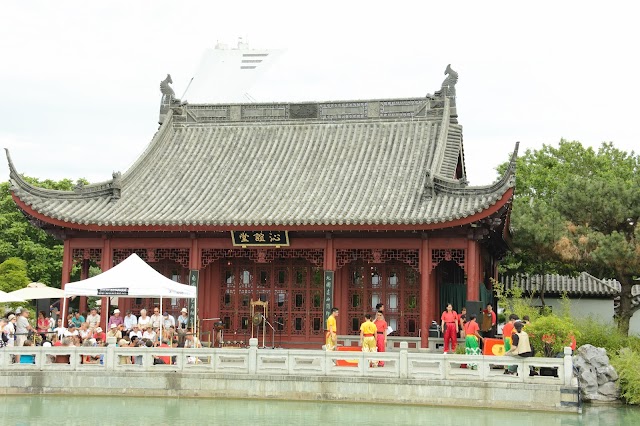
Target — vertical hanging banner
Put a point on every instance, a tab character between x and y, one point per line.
328	295
194	276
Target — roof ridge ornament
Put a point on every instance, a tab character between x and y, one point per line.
169	99
448	87
110	188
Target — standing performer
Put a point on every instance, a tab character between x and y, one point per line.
450	319
489	322
462	319
472	339
331	335
367	336
381	334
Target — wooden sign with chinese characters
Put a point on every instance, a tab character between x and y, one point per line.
328	295
194	275
260	238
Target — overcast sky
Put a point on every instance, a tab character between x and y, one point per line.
80	79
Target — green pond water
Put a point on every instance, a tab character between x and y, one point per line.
156	411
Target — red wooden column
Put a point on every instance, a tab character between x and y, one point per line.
338	282
329	254
66	274
342	302
84	274
473	270
427	303
105	264
194	265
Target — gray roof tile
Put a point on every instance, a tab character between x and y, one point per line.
322	171
583	284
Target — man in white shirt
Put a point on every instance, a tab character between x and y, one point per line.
156	318
129	321
22	327
168	321
93	318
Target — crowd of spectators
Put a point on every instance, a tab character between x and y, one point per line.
85	330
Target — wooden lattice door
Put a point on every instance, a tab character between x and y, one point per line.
293	289
395	285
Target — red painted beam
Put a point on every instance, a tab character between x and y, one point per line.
195	228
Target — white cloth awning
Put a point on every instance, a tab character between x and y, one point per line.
133	277
36	291
6	297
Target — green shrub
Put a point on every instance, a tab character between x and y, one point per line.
601	335
460	350
633	342
550	334
626	364
514	301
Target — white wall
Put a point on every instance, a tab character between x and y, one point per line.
601	309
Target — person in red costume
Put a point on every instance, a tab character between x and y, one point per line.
381	334
450	322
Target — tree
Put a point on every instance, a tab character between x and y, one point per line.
18	238
13	274
576	209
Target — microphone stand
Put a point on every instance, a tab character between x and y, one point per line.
273	335
279	333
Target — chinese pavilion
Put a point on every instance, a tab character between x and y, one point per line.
302	205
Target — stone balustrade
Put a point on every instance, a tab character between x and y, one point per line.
401	364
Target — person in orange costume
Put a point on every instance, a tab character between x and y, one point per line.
450	320
381	334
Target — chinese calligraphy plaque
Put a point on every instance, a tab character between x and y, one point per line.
260	238
328	295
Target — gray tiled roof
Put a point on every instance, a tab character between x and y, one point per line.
355	163
583	284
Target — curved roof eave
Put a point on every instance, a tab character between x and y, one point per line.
506	198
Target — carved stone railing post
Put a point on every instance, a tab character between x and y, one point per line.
110	358
568	366
403	363
253	355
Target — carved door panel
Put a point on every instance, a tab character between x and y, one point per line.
293	289
395	285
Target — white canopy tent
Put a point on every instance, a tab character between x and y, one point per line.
132	277
37	291
6	297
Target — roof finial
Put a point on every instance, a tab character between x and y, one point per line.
449	83
168	97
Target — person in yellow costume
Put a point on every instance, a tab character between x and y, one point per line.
331	335
368	335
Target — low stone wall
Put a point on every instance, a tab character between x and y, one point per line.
406	377
353	389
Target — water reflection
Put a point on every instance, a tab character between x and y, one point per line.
54	410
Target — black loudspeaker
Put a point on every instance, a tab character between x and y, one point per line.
474	307
42	305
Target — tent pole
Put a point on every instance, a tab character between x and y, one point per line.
64	309
161	319
106	317
195	317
